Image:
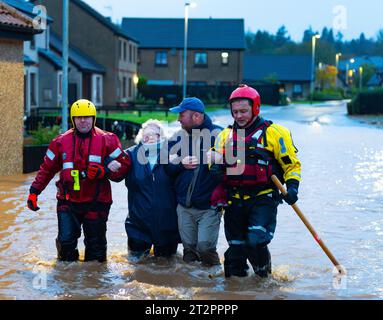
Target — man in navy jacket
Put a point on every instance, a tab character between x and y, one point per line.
198	223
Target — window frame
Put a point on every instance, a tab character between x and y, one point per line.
198	64
161	61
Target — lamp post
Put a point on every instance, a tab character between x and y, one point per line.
65	45
337	66
337	60
187	4
314	37
348	69
360	78
192	5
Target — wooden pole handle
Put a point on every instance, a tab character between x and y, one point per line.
309	226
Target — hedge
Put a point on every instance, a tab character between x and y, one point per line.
368	102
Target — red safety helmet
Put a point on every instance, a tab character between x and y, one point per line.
246	92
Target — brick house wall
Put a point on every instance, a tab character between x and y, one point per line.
11	106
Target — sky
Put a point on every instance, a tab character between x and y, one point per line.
351	17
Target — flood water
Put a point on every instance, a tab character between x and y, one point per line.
341	194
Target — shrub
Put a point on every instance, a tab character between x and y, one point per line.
328	94
44	135
366	102
142	100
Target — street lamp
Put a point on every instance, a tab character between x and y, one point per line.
314	37
337	60
192	5
360	77
347	69
65	55
337	67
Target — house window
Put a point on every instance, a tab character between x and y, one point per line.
225	58
161	58
134	54
130	87
130	53
200	59
33	43
97	90
125	51
297	88
123	87
33	92
119	49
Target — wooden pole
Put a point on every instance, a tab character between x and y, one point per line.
309	226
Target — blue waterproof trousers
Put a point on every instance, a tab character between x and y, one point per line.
249	227
92	218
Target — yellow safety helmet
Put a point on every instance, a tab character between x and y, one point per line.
83	108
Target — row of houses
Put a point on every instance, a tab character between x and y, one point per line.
106	60
101	68
352	66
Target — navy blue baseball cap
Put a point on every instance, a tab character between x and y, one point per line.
193	104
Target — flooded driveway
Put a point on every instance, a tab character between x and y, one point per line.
341	194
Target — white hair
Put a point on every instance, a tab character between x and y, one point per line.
150	123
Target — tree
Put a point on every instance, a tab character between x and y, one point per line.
326	77
324	35
281	37
261	42
307	35
142	83
271	78
368	72
330	37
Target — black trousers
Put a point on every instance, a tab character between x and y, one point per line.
92	218
139	248
249	228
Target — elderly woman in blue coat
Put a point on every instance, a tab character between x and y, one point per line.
152	217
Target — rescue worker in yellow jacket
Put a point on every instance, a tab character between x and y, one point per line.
244	157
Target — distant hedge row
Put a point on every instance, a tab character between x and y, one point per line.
328	94
369	102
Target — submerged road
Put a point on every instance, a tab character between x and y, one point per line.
341	194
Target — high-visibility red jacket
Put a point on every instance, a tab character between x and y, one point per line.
71	151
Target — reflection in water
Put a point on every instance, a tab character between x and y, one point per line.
341	194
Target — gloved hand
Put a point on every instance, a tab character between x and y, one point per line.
218	197
292	191
95	171
32	202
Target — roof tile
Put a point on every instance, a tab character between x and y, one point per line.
10	17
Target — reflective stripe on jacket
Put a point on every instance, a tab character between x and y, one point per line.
69	152
275	139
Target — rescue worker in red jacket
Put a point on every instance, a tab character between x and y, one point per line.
86	157
245	156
